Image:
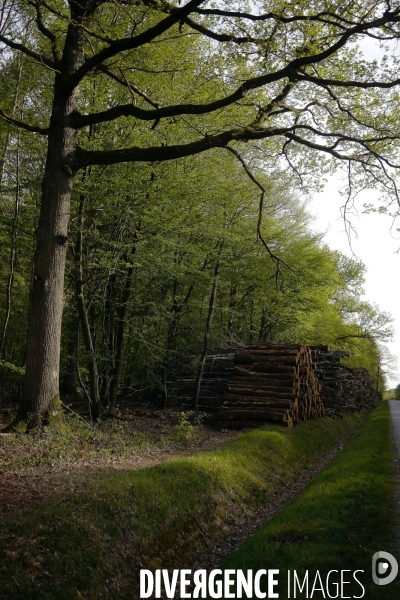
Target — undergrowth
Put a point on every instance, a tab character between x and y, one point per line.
187	427
74	441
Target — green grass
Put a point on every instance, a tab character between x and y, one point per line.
342	518
157	517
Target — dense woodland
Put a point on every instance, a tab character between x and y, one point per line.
170	249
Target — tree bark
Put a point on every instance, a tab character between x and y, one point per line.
232	306
41	385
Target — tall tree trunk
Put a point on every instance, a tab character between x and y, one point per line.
251	321
210	314
40	396
3	158
108	336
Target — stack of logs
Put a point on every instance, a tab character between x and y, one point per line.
218	371
342	388
276	382
272	382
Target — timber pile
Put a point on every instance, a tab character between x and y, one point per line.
272	382
218	371
342	388
276	382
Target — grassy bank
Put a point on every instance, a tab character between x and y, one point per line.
93	545
343	517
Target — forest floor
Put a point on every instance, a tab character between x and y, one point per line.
35	467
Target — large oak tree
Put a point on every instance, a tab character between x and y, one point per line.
285	76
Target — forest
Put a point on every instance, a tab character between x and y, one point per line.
158	161
134	235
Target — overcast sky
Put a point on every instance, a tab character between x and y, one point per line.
375	245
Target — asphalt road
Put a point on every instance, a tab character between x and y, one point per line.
394	406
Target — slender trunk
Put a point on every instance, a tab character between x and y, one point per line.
207	330
175	310
13	249
165	388
70	379
378	372
12	258
232	306
108	335
120	335
97	407
251	321
41	385
14	108
3	159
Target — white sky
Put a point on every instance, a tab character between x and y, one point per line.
375	245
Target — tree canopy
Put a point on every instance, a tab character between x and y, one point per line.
114	90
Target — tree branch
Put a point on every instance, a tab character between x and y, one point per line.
38	57
131	86
291	71
121	45
260	236
22	125
163	153
39	21
179	15
320	17
337	82
220	37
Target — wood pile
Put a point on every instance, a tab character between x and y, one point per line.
281	383
218	371
342	388
272	382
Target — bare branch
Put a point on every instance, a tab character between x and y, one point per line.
131	86
277	261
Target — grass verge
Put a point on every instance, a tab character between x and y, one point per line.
93	545
343	517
